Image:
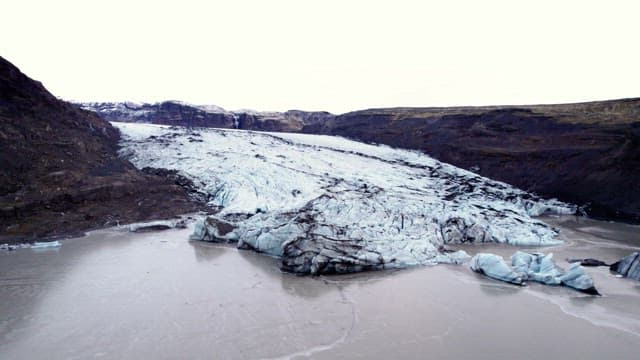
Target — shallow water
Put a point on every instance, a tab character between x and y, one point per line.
114	294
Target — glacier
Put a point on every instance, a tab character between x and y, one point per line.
327	204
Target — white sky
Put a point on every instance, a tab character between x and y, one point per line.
327	55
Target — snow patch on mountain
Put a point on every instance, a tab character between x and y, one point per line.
331	205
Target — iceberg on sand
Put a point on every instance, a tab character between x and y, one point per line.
629	266
536	267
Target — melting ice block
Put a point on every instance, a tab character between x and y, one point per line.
46	245
495	267
536	267
629	266
578	279
157	225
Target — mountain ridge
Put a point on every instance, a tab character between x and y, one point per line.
174	112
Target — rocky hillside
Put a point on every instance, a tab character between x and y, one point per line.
587	153
183	114
60	172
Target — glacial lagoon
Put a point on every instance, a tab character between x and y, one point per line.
116	294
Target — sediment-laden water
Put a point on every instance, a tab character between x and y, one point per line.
115	294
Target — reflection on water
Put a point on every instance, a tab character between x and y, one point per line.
497	290
115	294
205	252
582	301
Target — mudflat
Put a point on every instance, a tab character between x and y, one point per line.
115	294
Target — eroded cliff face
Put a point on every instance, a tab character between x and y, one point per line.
60	169
587	154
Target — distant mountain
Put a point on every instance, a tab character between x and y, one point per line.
584	153
184	114
60	172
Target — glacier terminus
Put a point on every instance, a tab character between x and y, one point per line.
325	204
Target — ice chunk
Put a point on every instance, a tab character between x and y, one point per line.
7	247
543	269
12	247
46	245
457	257
535	267
629	266
578	279
495	267
157	225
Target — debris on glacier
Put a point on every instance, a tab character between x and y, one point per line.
326	204
629	266
536	267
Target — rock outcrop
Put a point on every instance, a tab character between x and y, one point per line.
60	172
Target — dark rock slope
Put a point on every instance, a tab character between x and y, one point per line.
587	153
60	172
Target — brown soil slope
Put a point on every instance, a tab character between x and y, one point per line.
60	173
587	153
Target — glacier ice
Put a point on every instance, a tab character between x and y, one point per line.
46	245
157	225
495	267
326	204
536	267
629	266
578	279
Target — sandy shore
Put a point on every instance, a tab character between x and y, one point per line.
115	294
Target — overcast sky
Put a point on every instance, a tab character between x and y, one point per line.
327	55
